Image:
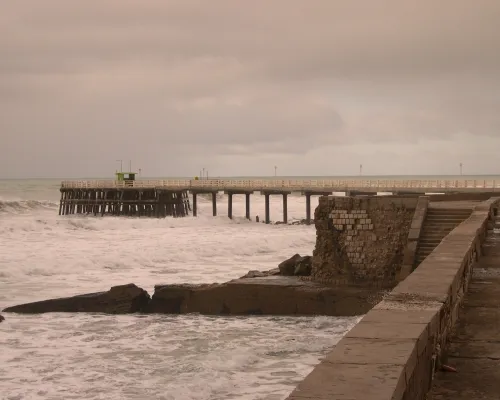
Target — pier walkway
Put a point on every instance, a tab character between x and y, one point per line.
84	191
475	346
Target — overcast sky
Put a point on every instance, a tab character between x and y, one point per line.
315	87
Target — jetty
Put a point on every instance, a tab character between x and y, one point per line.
123	197
160	198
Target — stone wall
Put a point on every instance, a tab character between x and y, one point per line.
361	240
393	352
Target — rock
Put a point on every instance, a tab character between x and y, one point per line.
303	266
2	318
261	274
121	299
287	267
274	271
254	274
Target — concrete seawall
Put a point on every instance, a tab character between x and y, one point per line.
396	348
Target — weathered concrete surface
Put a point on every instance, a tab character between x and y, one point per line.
361	241
270	295
393	352
474	349
122	299
413	237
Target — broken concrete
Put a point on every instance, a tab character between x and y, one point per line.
269	295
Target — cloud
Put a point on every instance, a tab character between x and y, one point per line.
211	83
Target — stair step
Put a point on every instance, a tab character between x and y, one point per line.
434	243
443	219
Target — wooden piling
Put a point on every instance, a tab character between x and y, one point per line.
308	208
285	208
247	205
268	217
230	205
128	201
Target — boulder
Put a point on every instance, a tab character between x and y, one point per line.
2	318
254	274
303	266
296	266
287	267
121	299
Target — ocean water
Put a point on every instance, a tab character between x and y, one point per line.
88	356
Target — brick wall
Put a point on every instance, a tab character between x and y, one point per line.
361	240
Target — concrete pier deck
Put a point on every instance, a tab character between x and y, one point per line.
475	346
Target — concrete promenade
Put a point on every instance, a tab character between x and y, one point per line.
475	345
394	352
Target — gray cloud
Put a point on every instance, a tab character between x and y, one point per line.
314	86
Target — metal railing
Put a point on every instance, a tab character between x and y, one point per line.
290	184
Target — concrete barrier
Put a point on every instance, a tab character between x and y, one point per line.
395	349
413	237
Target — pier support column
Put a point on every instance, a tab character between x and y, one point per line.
285	208
268	220
247	205
214	204
230	205
195	205
308	208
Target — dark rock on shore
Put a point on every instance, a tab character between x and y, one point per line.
297	222
296	265
261	274
2	318
121	299
303	266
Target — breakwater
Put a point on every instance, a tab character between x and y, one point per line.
395	350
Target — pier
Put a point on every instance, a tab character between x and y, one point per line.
161	198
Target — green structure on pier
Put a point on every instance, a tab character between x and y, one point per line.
125	176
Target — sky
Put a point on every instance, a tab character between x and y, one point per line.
313	87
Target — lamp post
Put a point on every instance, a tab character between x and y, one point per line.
121	165
275	169
461	165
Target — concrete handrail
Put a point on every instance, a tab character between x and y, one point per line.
392	353
292	184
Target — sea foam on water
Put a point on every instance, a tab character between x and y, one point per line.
83	356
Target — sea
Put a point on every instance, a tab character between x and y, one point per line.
92	356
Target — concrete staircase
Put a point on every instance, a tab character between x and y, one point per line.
438	223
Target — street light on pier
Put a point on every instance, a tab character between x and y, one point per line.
461	165
121	165
275	169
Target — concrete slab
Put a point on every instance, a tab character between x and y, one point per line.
476	379
478	323
271	295
475	349
406	316
373	351
352	382
388	330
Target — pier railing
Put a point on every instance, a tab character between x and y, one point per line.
293	184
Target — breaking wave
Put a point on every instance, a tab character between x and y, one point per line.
25	206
